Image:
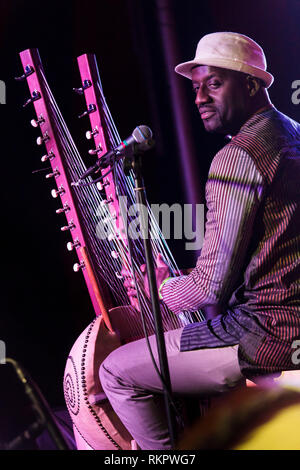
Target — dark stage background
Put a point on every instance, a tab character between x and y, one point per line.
44	304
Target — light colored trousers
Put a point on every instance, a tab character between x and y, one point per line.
134	389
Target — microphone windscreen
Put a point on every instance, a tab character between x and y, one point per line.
142	133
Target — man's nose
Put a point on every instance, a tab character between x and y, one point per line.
202	96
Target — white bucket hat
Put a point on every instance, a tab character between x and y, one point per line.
231	51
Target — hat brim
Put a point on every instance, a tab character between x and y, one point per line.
185	68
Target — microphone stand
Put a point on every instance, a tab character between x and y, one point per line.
133	162
45	418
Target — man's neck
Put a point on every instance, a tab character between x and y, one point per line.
257	110
264	108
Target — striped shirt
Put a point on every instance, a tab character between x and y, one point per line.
250	259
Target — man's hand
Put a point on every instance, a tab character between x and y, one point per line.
162	272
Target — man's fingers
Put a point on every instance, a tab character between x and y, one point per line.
160	262
131	293
126	273
128	283
143	268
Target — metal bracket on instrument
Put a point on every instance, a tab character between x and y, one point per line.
86	84
35	96
28	71
91	109
37	122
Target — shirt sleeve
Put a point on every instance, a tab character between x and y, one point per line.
234	191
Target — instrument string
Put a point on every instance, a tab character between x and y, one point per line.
96	216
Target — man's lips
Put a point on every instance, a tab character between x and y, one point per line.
206	114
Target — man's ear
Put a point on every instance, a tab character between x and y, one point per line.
253	85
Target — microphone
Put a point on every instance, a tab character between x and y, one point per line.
139	141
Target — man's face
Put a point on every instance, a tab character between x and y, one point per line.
221	98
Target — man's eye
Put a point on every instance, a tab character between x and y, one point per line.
195	89
214	84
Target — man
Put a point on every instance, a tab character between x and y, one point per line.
249	265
